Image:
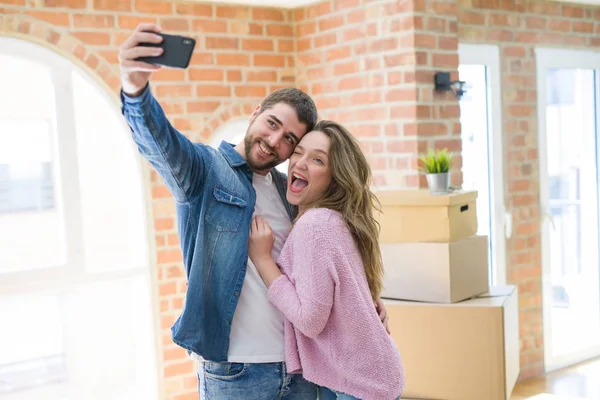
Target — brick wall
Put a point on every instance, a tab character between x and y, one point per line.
369	65
517	27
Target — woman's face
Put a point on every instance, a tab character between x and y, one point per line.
309	172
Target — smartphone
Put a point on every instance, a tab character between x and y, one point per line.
177	51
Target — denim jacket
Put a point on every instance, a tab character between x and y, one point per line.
214	202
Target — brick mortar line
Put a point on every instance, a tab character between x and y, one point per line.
564	35
137	15
528	14
134	13
527	31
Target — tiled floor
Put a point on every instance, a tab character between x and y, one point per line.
580	382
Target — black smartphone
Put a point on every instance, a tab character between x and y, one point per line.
177	51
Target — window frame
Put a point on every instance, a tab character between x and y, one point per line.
554	58
501	220
67	189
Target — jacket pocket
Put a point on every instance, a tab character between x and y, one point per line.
225	210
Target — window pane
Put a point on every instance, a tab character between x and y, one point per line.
30	361
110	342
19	80
91	342
110	182
475	148
26	181
32	233
573	209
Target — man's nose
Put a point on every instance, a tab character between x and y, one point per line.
275	139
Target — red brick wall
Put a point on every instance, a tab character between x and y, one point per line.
517	27
369	65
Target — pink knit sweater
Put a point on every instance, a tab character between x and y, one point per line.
333	335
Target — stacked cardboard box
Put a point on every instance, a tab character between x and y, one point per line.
431	248
458	337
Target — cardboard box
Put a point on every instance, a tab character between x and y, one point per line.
436	272
417	216
462	351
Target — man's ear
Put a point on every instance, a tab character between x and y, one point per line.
255	113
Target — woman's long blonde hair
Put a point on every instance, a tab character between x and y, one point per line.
350	194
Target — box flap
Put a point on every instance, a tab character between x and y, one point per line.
499	290
475	302
422	197
496	297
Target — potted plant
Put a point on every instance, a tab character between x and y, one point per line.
437	164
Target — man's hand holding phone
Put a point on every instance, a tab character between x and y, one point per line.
136	74
146	50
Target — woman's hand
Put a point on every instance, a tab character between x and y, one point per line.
260	245
383	316
261	241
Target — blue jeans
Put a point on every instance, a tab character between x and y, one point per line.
264	381
328	394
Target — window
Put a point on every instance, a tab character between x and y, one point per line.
483	161
568	83
25	177
29	214
75	294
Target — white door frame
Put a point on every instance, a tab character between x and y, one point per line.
555	58
489	55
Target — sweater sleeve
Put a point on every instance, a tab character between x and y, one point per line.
307	302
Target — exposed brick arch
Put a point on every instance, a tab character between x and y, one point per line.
60	40
223	115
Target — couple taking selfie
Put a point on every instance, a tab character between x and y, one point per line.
284	272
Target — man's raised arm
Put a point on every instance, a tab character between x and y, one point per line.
180	163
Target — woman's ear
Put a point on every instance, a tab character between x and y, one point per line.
333	185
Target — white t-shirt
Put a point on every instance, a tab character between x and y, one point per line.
257	326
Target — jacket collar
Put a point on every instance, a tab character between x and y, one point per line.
233	157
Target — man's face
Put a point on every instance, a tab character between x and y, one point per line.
272	136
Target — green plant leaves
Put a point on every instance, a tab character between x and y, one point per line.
436	161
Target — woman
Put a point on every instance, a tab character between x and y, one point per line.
331	272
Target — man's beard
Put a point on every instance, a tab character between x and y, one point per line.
248	142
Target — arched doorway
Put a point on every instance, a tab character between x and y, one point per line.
75	283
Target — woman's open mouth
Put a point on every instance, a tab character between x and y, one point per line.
298	183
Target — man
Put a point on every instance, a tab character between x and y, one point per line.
227	322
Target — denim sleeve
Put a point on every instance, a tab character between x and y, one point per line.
181	163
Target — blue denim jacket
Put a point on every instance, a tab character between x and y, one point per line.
214	202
